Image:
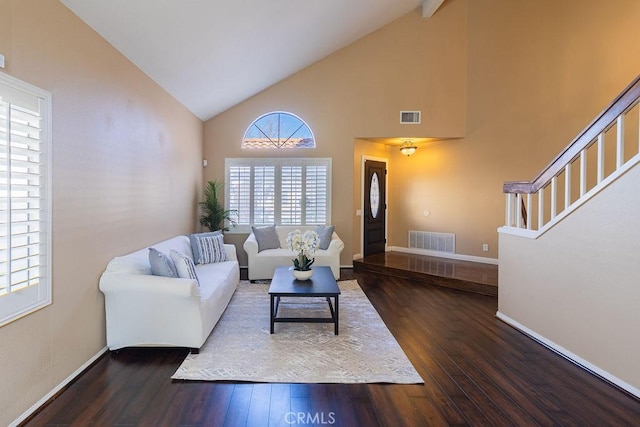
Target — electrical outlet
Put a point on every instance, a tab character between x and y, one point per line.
485	247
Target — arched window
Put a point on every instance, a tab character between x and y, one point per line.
278	129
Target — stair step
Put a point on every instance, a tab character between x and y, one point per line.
462	275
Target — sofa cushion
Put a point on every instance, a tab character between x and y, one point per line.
161	264
325	232
267	237
208	247
184	265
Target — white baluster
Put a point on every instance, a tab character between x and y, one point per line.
519	210
507	219
540	208
529	211
620	145
554	195
567	185
583	172
600	157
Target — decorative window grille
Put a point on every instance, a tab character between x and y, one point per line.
278	191
25	199
278	129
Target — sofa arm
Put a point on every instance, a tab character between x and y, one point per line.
149	284
230	249
336	245
250	245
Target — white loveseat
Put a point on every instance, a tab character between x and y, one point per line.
263	264
153	311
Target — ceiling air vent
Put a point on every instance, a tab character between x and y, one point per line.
410	117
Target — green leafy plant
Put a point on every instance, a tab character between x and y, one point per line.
214	214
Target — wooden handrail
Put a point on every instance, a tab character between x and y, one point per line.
599	125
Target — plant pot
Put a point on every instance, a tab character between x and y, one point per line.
302	274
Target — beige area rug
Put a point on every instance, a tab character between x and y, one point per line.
240	348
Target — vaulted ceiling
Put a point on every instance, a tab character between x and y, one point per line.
213	54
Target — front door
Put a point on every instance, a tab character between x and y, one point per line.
375	207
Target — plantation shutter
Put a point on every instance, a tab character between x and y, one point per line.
24	199
239	192
279	191
291	195
264	202
316	194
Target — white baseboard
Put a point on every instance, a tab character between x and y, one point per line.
480	259
577	360
57	389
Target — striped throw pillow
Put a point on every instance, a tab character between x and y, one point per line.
211	249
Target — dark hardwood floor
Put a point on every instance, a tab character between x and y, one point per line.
477	371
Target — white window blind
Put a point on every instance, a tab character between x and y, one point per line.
25	279
264	194
291	195
278	191
316	195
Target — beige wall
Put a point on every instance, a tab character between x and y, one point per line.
538	72
358	92
126	173
577	284
511	82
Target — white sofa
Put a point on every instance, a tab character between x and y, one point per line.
153	311
263	264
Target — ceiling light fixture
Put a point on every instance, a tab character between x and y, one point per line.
408	148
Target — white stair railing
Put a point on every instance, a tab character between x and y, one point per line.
572	177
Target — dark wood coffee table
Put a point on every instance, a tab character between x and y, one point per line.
321	284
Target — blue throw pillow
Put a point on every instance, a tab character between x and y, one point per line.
161	264
325	232
195	245
267	237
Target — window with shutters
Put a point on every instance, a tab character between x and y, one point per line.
278	191
25	199
278	129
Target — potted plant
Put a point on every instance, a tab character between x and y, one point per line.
214	214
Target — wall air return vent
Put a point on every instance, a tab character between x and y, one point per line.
410	117
441	242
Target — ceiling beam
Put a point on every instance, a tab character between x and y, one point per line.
429	7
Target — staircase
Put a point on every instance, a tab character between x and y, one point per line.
449	273
569	263
571	178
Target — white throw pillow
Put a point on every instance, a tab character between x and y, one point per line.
185	266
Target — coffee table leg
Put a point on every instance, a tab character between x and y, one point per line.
271	314
337	317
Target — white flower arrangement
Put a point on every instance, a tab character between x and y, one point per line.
305	245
